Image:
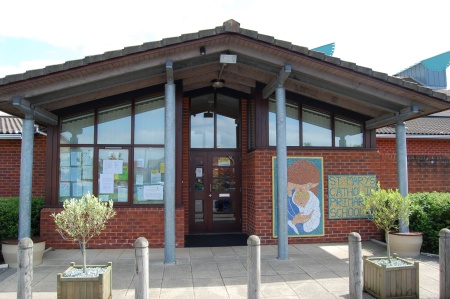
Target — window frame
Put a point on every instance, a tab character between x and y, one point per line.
308	105
97	147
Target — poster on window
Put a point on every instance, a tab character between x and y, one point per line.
305	201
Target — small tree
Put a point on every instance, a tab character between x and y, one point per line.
386	207
83	219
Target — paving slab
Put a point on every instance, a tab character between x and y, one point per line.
311	271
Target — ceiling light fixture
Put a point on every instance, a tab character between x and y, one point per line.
217	83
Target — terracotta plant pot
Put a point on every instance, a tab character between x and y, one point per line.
10	249
406	244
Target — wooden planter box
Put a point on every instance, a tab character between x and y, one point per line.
85	287
391	282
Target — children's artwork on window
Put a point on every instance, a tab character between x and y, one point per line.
305	202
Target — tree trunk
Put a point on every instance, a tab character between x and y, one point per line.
83	244
386	233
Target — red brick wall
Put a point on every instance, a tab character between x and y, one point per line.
428	164
10	166
258	181
416	146
122	231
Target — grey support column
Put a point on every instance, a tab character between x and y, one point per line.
402	166
280	96
169	165
26	177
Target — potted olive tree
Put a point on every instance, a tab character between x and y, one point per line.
79	221
381	274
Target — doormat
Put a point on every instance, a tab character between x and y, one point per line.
220	240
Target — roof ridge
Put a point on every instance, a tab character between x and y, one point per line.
229	26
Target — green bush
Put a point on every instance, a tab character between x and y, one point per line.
430	213
9	217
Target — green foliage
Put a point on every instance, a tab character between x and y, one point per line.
83	219
430	212
9	217
386	207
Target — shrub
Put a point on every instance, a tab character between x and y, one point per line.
430	213
9	217
82	219
386	207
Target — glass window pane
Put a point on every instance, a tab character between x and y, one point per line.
148	175
113	175
348	133
316	128
202	122
227	118
78	129
114	125
292	124
75	172
149	121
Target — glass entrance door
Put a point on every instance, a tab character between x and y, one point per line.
215	193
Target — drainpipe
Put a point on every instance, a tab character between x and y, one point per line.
280	96
169	165
26	177
402	168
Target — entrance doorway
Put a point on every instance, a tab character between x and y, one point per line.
215	192
215	165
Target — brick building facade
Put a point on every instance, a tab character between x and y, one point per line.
113	130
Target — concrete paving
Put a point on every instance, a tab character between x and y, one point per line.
318	271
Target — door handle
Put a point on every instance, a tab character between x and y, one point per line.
210	195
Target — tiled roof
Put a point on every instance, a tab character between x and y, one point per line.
230	26
10	125
436	124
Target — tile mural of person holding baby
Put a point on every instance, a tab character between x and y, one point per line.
304	197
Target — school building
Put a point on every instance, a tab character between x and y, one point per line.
222	131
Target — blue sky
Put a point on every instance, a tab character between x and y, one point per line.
385	35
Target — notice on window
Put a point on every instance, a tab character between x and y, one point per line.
140	163
75	174
224	161
113	166
122	194
75	158
65	174
87	157
106	183
139	179
64	189
155	177
199	172
87	172
153	192
77	189
65	159
87	187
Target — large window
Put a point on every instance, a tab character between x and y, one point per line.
114	152
314	127
348	133
214	121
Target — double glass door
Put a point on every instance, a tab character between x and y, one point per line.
215	191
